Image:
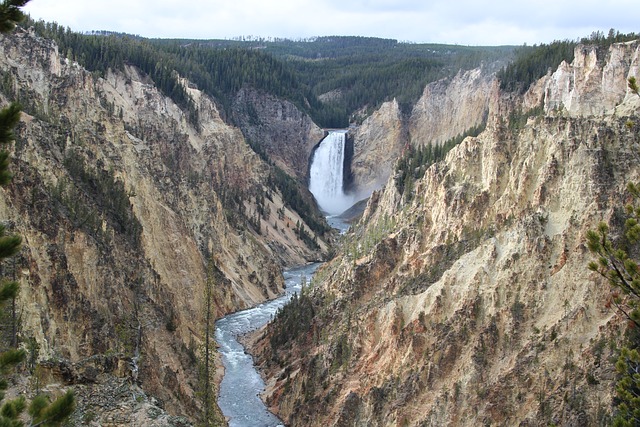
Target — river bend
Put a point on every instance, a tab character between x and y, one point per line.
241	385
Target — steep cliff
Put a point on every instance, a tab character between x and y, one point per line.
378	142
472	303
449	107
446	109
591	86
284	133
122	200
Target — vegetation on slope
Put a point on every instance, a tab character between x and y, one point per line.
97	195
352	73
362	72
617	262
41	410
278	180
416	160
218	72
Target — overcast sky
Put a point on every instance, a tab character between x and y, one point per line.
466	22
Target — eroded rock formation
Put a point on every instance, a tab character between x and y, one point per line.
284	133
471	303
127	208
378	142
446	109
449	107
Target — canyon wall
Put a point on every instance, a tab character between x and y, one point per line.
377	143
128	210
469	301
285	134
447	108
590	86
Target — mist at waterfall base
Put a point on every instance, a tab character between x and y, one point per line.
241	385
326	175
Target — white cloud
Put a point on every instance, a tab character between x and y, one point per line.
442	21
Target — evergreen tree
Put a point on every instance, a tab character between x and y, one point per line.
623	274
618	263
42	412
633	85
10	14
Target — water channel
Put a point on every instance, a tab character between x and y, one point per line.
240	388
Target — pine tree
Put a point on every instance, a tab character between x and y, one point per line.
618	263
623	275
42	412
633	85
10	14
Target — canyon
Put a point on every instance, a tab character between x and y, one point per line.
462	300
128	210
468	301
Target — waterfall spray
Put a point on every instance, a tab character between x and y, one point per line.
326	174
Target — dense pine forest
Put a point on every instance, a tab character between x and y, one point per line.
331	78
336	80
352	73
349	74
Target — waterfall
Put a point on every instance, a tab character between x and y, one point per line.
326	174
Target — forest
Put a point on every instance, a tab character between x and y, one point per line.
344	75
330	78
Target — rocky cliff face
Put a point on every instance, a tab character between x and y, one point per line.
284	133
122	202
446	109
377	144
591	86
472	303
449	107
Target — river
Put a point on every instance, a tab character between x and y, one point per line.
241	386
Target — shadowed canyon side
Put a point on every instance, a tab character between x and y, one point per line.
122	200
469	301
285	134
